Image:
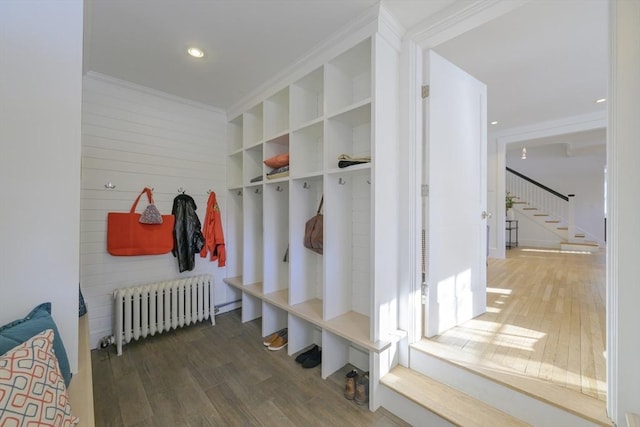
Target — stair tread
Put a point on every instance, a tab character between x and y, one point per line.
541	214
552	221
529	209
577	403
581	243
446	402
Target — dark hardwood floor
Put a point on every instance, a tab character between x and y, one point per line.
219	375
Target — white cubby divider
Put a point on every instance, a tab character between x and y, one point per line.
332	300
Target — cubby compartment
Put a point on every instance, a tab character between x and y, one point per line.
306	266
252	127
276	238
251	307
307	150
234	170
337	352
276	114
234	232
348	78
274	147
302	334
348	133
252	241
234	135
273	319
252	164
307	99
347	232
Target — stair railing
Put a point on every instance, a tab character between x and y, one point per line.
545	199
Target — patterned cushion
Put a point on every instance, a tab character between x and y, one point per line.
32	391
39	320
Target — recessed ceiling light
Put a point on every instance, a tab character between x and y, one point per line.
195	52
495	122
601	100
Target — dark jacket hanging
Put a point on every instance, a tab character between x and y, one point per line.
187	237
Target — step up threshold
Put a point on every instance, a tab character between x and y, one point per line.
448	403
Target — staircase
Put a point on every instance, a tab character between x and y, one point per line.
550	210
445	388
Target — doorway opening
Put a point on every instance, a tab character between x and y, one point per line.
532	288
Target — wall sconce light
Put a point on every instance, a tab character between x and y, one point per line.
524	153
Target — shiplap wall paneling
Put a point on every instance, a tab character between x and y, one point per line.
133	138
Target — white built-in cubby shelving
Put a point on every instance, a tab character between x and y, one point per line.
328	299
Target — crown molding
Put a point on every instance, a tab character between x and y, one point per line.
458	19
148	91
548	128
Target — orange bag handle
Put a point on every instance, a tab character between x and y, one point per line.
149	196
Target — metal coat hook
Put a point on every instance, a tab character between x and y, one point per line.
368	181
279	189
305	185
109	185
341	181
181	190
209	191
239	192
257	191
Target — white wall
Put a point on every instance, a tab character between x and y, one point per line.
40	107
623	247
134	137
581	174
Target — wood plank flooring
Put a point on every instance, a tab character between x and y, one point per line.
545	318
219	375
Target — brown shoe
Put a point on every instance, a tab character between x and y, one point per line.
362	390
271	338
350	384
279	342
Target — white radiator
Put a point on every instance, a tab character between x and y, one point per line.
149	309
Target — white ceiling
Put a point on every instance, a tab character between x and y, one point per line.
545	60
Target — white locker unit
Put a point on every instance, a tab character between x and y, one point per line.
334	300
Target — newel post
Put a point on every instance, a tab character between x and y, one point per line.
571	224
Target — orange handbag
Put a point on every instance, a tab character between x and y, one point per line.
127	236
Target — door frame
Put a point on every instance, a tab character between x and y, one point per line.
438	29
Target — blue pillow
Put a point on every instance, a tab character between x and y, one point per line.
19	331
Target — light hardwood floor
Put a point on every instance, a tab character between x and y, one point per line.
545	319
219	375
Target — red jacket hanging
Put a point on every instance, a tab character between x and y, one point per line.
212	230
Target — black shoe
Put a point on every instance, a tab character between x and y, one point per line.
313	360
304	356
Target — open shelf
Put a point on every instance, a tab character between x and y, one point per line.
234	135
307	98
252	126
307	150
276	114
348	77
348	133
